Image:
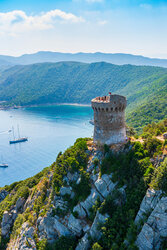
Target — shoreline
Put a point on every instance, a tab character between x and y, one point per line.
42	105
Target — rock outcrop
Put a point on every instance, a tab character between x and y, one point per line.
51	228
52	212
93	233
25	240
99	220
7	222
148	204
155	227
3	194
9	217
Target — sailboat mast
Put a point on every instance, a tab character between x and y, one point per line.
13	132
18	131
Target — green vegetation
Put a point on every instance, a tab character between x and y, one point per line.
159	180
151	108
72	82
17	225
82	190
133	170
96	246
65	243
23	189
155	129
19	189
74	159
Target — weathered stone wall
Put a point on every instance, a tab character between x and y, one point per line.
109	119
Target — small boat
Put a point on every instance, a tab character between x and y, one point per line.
91	122
3	165
19	139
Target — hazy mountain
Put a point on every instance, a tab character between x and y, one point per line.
117	58
5	64
72	82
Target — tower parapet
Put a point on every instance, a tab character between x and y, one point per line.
109	119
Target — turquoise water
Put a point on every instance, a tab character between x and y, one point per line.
50	129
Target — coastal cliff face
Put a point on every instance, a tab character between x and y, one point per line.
90	198
154	231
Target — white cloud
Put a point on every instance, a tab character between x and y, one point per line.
18	21
102	22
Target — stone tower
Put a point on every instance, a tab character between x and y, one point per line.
109	119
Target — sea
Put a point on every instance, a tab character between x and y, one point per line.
50	129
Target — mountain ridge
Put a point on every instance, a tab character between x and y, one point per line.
115	58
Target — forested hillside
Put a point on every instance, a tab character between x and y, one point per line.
4	65
72	82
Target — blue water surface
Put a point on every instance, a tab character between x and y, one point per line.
50	129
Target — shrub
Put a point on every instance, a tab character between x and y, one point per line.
152	145
106	148
72	160
82	190
75	214
94	208
159	180
95	162
65	243
17	225
96	246
154	129
42	244
24	192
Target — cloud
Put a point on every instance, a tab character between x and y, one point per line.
18	21
102	22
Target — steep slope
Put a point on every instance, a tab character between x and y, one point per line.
75	82
115	58
88	197
153	108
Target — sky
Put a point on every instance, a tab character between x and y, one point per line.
112	26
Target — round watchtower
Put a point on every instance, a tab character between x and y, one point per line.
109	119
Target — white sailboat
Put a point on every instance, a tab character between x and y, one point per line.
19	139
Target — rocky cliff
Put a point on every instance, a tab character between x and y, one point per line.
86	199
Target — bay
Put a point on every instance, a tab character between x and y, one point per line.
50	129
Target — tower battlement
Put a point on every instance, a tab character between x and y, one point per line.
109	103
109	119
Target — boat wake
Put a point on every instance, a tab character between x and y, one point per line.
5	132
